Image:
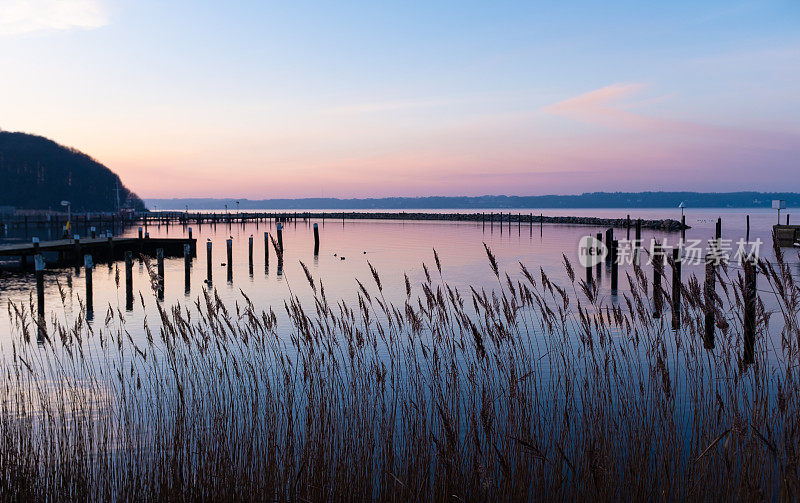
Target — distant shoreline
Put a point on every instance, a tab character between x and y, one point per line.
596	200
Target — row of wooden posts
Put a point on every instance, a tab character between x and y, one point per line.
612	258
709	290
188	253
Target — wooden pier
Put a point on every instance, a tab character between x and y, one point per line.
64	251
786	235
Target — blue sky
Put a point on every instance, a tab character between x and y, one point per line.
295	99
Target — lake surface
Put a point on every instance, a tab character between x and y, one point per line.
347	248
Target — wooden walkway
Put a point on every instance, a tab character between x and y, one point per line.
100	248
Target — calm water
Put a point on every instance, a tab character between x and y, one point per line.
393	247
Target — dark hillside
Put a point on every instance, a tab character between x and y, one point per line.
37	173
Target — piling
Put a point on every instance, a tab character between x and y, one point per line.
39	265
749	323
316	240
160	261
718	233
628	227
614	265
747	238
589	254
229	248
88	266
208	262
266	251
140	233
93	231
638	233
787	219
280	236
683	226
250	254
676	287
187	268
708	295
599	238
129	280
658	271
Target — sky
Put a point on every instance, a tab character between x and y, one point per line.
269	99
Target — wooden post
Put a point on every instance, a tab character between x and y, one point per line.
676	287
250	254
787	219
280	235
708	295
316	240
160	261
190	237
599	238
266	251
93	231
110	239
129	280
541	224
718	233
749	295
76	243
683	226
531	222
39	265
88	265
208	262
638	233
140	233
589	255
187	267
614	265
747	238
628	227
229	247
658	269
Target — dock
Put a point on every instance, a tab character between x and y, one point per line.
786	235
65	251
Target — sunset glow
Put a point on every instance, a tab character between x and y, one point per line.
366	100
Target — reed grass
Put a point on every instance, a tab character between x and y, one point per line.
529	390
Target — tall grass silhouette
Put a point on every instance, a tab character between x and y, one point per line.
527	390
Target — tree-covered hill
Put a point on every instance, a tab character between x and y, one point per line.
37	173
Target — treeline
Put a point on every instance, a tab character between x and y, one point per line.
38	173
586	200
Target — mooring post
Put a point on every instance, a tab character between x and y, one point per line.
229	248
39	265
266	251
749	310
747	238
88	266
589	254
599	242
93	231
316	240
187	268
35	241
638	242
208	261
128	280
683	226
250	254
787	219
76	244
676	287
628	227
541	224
160	261
614	265
280	235
141	235
708	297
190	238
658	270
718	233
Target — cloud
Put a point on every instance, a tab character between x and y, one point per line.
20	17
